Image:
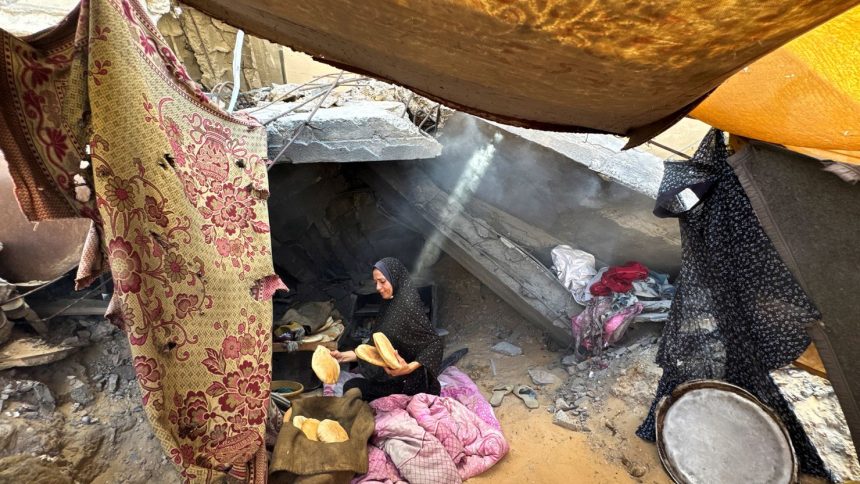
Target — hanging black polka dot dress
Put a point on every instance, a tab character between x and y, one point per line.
738	312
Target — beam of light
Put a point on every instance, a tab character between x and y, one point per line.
462	193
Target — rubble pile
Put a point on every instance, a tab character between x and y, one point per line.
629	373
423	112
818	410
79	419
625	372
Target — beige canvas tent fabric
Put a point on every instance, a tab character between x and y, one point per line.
629	68
811	218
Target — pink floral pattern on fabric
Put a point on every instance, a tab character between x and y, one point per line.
180	210
179	213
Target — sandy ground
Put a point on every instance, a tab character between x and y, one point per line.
542	451
609	451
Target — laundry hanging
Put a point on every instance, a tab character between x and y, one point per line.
179	211
738	312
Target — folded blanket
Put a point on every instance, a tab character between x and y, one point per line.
430	439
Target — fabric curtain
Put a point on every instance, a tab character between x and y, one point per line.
178	200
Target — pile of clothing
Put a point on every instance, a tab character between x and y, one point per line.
614	297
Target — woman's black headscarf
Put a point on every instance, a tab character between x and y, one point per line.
402	319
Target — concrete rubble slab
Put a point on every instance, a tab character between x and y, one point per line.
356	131
507	349
601	153
541	189
542	377
31	352
509	271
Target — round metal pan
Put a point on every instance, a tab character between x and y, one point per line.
711	431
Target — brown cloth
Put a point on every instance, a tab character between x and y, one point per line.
615	66
811	218
297	459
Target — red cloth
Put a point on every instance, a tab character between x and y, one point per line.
619	279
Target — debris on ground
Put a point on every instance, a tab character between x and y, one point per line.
79	419
507	349
817	408
542	377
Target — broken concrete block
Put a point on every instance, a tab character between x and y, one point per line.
542	377
358	131
80	392
111	384
569	360
34	395
563	419
561	404
506	348
44	399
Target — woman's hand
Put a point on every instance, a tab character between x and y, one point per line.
343	356
405	368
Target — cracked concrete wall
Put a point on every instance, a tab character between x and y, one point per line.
206	45
206	48
564	199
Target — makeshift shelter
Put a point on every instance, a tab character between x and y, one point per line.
607	67
601	68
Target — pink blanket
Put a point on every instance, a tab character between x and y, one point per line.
430	439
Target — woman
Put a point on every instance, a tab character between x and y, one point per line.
402	319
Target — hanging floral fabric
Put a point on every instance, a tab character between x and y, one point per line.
738	312
179	209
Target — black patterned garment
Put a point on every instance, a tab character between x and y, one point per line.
403	321
738	312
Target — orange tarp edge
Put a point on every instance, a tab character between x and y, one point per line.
805	95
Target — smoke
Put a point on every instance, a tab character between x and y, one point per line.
465	188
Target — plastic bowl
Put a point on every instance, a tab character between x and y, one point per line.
287	388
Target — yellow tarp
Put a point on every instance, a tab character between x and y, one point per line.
805	95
